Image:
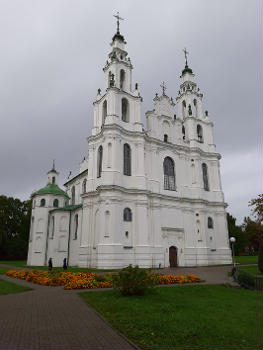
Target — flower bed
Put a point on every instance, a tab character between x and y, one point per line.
88	280
70	280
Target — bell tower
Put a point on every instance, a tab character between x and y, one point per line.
196	124
120	103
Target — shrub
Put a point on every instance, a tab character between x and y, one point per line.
244	279
133	281
260	254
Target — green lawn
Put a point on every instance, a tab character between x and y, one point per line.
9	287
253	270
22	263
246	260
3	270
185	317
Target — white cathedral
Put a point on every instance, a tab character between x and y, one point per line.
149	197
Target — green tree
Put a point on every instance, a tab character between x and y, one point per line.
14	226
257	203
253	230
260	254
237	232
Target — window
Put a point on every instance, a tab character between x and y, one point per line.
104	111
205	177
55	203
199	133
125	110
184	108
42	202
99	161
53	179
169	174
183	132
122	78
126	159
52	226
165	138
73	195
195	105
127	214
210	223
84	186
76	224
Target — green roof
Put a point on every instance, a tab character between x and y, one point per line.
187	69
68	207
52	189
119	36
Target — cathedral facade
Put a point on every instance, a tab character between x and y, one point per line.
149	197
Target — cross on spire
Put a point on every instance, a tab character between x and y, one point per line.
53	167
185	55
163	86
118	21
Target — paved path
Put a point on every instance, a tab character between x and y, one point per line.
51	318
210	274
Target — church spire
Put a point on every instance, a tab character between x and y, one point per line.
118	34
186	68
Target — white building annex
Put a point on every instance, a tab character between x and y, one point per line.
150	197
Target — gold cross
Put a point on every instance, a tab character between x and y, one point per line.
118	21
163	86
185	55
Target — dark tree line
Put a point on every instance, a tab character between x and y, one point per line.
14	227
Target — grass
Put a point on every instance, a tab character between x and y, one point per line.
185	317
7	287
253	270
3	270
246	260
22	263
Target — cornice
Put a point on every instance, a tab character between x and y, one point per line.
151	195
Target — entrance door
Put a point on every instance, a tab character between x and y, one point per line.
173	256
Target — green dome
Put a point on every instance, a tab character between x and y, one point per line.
187	70
52	189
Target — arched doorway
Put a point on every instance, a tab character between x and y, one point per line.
173	256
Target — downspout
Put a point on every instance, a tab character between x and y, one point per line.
69	228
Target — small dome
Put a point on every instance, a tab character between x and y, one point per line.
51	189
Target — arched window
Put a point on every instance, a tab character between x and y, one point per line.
165	138
84	186
99	161
52	226
199	133
205	177
127	214
126	159
109	78
184	108
183	132
122	79
55	203
42	202
210	223
195	105
73	195
53	179
104	111
76	224
125	110
169	174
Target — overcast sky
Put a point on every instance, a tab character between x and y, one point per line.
52	54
